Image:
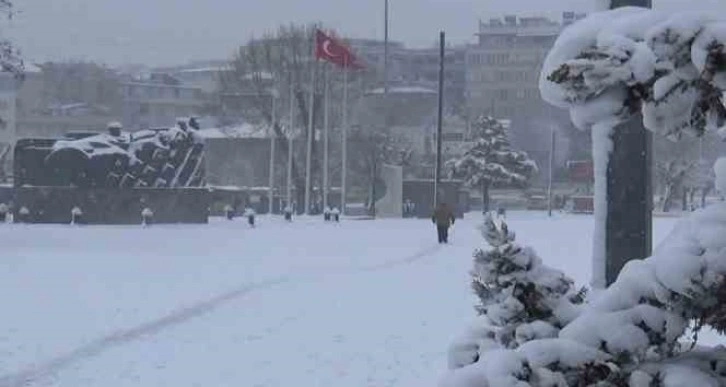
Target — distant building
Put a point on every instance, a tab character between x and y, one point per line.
206	78
157	100
502	79
502	70
416	66
39	114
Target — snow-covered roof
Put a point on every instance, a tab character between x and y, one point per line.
238	131
212	69
260	74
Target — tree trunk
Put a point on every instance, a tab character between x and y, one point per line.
704	194
485	197
667	198
373	187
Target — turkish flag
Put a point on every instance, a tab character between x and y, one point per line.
331	50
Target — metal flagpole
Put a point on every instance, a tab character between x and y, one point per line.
326	129
344	173
308	156
439	124
271	185
290	142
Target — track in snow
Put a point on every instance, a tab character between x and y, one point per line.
29	375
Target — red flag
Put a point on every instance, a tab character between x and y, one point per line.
331	50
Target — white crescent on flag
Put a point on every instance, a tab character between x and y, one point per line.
326	48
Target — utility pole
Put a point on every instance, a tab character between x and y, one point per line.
385	102
385	48
629	220
440	118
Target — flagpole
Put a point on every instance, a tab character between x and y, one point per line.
271	194
326	129
290	141
344	173
308	156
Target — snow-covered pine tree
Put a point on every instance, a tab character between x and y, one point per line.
635	333
491	160
520	298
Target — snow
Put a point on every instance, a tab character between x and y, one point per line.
404	90
720	170
306	303
542	353
602	147
237	131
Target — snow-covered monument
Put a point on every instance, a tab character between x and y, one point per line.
113	176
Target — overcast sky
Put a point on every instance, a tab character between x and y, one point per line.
164	32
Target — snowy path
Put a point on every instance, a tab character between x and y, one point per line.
357	304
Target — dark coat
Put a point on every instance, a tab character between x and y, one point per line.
443	216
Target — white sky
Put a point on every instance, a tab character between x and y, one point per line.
161	32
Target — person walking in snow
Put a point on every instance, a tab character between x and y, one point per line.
288	213
443	218
250	214
4	210
326	214
229	212
335	214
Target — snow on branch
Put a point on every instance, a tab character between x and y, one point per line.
614	64
632	334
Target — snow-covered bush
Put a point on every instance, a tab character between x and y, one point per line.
635	333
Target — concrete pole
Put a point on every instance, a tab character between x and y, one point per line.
629	220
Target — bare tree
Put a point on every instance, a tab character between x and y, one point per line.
10	60
371	148
282	61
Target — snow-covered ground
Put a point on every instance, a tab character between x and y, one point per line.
361	303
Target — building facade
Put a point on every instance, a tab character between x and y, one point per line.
158	100
416	67
502	70
502	80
